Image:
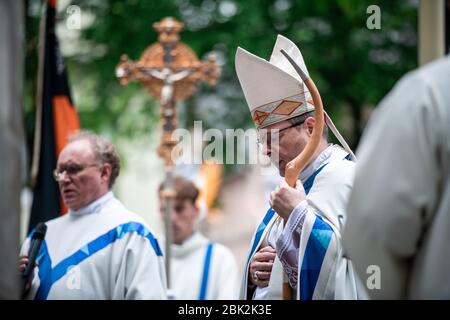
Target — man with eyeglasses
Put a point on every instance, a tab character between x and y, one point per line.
300	233
200	269
99	249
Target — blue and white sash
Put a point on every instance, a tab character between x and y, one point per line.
315	267
48	275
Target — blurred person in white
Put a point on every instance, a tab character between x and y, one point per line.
99	249
301	232
199	269
399	209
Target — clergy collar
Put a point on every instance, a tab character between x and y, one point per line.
317	162
94	206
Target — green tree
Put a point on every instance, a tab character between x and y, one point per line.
353	66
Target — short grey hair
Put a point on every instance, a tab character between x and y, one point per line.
302	118
104	151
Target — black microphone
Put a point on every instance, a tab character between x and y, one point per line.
35	245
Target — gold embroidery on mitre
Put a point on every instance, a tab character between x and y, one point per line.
286	107
259	117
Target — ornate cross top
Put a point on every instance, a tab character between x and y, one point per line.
170	71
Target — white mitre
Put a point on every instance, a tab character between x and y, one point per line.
273	89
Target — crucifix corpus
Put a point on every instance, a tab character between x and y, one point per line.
170	71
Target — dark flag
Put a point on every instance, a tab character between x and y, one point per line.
56	118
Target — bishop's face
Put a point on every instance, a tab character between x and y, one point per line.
291	141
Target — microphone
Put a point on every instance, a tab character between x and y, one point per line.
35	245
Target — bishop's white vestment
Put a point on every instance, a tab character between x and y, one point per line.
309	245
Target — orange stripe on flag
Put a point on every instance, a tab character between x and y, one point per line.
63	207
52	3
66	122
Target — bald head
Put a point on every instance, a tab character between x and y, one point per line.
83	175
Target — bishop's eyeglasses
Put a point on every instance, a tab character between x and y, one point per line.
265	136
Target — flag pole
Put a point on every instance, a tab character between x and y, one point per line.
38	101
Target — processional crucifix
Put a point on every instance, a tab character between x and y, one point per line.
170	71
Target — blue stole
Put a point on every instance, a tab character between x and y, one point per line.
316	249
206	267
48	275
260	230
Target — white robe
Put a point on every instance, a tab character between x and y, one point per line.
326	198
203	270
102	251
399	210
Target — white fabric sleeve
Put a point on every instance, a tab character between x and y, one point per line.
288	243
140	273
396	182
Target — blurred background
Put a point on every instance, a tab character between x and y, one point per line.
352	65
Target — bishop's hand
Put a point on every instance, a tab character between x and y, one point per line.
285	198
261	266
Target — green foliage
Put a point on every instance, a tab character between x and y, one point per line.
352	66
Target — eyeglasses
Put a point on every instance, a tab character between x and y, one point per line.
71	170
265	136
